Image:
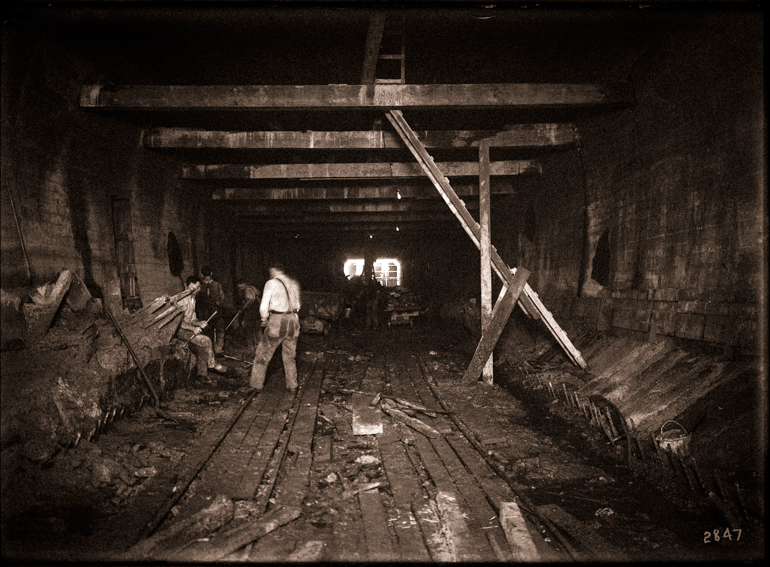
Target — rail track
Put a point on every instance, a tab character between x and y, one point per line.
433	498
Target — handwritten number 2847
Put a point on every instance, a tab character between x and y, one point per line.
718	535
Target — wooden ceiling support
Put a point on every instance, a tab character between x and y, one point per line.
350	170
529	300
350	97
381	191
517	136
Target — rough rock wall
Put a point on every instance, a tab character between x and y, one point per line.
659	213
64	170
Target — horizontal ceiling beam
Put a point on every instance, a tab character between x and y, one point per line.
394	228
519	136
344	207
300	219
426	191
339	97
382	170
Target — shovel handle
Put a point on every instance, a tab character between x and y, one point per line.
194	335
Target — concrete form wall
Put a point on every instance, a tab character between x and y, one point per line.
63	166
677	183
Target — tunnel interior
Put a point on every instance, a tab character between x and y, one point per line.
530	248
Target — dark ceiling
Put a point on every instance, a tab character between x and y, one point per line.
288	43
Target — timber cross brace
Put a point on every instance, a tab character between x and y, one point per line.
515	286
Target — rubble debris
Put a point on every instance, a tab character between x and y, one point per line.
353	490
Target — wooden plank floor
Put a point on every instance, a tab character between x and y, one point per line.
437	499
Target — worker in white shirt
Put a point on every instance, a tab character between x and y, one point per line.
280	323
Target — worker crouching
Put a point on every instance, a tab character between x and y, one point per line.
190	330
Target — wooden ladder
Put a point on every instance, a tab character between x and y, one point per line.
391	67
528	300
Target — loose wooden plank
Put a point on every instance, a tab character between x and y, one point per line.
518	535
375	523
366	419
324	97
181	532
519	135
222	544
412	422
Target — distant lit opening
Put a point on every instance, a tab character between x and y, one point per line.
387	271
354	268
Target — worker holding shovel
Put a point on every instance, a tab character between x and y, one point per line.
191	329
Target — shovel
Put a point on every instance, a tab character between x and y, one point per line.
206	322
234	318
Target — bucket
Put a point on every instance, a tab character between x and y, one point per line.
676	441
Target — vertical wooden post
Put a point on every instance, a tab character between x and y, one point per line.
486	258
373	41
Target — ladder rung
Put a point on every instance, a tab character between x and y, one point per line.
391	56
388	81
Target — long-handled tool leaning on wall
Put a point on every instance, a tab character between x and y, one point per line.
159	412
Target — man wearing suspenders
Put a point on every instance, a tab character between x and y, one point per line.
278	313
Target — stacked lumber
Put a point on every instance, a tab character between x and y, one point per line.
155	324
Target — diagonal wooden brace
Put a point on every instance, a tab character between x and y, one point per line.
500	314
528	300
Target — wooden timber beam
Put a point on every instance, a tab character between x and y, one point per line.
342	97
509	295
518	136
373	40
529	300
300	218
350	170
390	192
485	240
391	228
341	207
